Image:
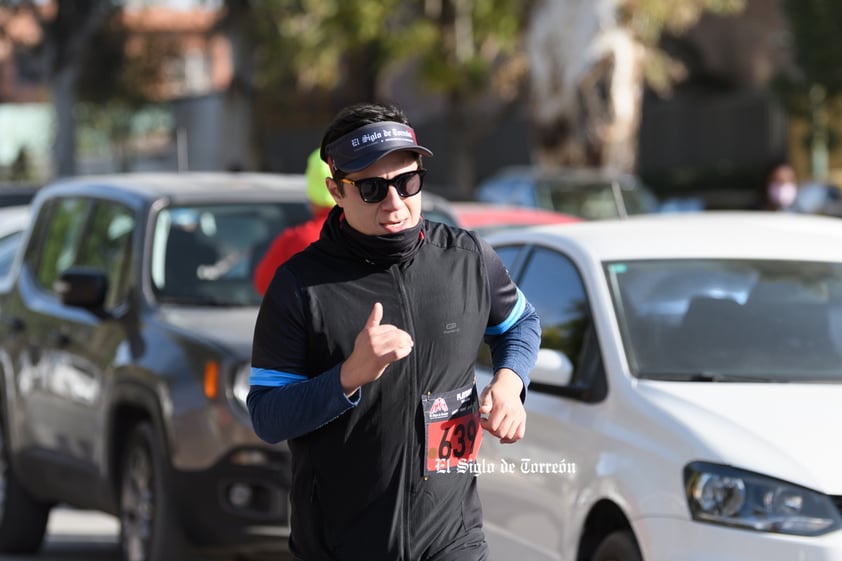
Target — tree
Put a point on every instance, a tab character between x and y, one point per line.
238	23
95	70
474	58
68	27
466	53
587	77
119	78
815	26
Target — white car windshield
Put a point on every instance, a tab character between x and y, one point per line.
730	320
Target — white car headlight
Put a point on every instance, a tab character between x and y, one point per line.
240	386
734	497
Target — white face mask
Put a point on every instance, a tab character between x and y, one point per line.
783	194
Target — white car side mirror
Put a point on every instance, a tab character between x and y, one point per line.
552	367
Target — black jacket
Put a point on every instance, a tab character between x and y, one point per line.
360	488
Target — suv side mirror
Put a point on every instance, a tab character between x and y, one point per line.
82	287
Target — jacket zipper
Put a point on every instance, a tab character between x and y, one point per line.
409	448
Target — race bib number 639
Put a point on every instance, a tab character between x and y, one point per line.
453	431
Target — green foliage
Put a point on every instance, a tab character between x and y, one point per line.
814	93
117	83
650	20
300	43
103	64
464	56
307	43
466	48
816	27
21	169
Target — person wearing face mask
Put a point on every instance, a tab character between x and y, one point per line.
781	187
363	360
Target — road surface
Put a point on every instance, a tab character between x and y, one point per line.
74	535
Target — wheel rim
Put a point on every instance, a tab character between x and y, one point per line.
137	505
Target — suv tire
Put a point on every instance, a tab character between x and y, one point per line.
149	529
23	519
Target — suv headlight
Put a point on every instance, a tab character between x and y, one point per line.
240	386
734	497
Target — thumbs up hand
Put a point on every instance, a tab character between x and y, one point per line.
376	347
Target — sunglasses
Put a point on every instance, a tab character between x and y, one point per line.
375	189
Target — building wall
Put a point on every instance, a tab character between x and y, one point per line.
722	125
25	127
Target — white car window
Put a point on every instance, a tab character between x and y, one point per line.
681	319
561	304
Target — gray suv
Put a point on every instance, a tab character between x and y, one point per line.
125	349
591	194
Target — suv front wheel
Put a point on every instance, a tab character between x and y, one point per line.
149	530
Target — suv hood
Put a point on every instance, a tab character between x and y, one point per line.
228	327
781	430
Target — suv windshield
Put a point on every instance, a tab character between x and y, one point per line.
594	200
205	255
730	320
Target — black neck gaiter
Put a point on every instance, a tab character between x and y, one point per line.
387	249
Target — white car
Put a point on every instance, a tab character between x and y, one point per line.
13	221
686	401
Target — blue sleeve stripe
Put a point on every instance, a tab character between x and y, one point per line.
514	315
273	378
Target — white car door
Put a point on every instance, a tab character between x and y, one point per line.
530	490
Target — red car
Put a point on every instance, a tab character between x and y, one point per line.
487	218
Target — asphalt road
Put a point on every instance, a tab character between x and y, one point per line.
77	536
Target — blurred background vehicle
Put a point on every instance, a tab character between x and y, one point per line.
438	208
17	194
587	193
682	204
13	221
671	344
818	198
125	351
487	218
